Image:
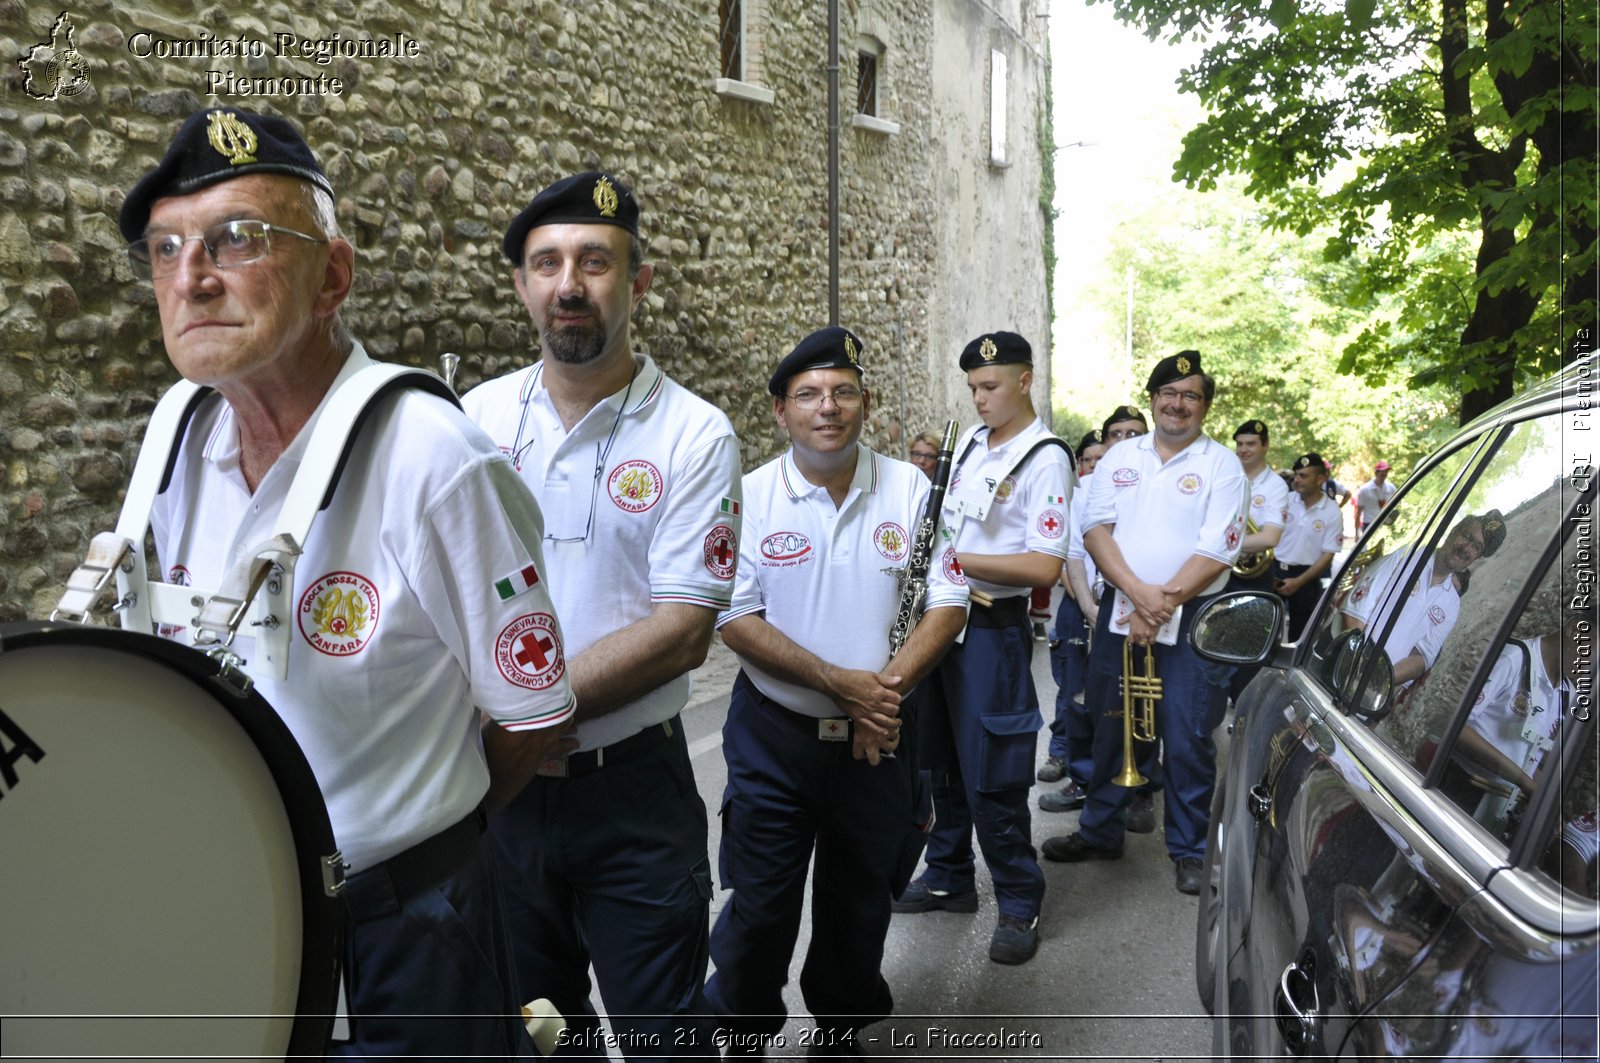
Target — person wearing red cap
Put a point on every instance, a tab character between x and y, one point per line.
1373	495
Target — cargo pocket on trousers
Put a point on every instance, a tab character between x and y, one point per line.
1005	754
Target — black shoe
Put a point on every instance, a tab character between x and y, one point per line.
1054	769
1142	813
1189	873
1073	849
1015	940
1067	799
1039	633
919	898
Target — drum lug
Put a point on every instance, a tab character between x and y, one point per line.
229	675
333	869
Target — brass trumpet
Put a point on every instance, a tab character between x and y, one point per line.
1139	696
1251	565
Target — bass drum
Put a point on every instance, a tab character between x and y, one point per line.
162	841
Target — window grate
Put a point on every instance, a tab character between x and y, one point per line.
732	38
866	83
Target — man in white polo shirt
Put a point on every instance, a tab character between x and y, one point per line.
828	527
639	479
1313	535
1373	495
1008	510
1164	520
397	632
1417	584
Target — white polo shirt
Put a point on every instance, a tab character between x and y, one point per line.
1372	497
1028	508
660	523
1166	512
1523	728
1582	832
1309	533
398	629
1427	612
826	576
1075	548
1269	499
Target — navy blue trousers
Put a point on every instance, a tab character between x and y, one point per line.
430	976
790	794
1071	730
1193	699
612	867
979	722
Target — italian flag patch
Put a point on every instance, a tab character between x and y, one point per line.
730	507
525	578
1055	500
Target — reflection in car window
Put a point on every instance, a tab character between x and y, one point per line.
1521	713
1402	532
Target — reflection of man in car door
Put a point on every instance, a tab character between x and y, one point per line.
1518	713
1431	601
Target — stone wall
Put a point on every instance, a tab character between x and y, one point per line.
432	149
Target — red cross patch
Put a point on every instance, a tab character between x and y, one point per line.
952	567
721	551
1051	524
528	652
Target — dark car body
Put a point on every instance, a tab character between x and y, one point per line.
1381	885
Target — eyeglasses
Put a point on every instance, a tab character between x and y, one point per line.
230	245
1118	434
920	456
1188	398
845	398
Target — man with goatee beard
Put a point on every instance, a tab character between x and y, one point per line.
605	848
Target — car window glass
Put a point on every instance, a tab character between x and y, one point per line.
1573	857
1404	526
1521	715
1492	550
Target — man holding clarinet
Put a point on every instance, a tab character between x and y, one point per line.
836	545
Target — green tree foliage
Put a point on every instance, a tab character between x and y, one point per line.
1260	305
1449	146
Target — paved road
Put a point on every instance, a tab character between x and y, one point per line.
1113	978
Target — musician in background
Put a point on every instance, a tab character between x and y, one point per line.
1164	518
1269	501
1008	512
1373	495
1312	537
237	232
924	453
818	705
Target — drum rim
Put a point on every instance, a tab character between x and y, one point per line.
322	916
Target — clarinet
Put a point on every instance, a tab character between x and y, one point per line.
913	578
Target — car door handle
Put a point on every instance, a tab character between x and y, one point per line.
1259	802
1299	1015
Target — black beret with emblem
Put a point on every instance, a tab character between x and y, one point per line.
1494	531
1120	414
1180	365
1312	460
827	348
590	198
218	145
1092	438
1252	428
996	348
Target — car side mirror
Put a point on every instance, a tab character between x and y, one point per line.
1363	677
1239	628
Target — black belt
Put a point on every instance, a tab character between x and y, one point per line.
589	760
1002	612
1291	571
823	728
424	865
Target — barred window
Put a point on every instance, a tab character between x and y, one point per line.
867	83
731	16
